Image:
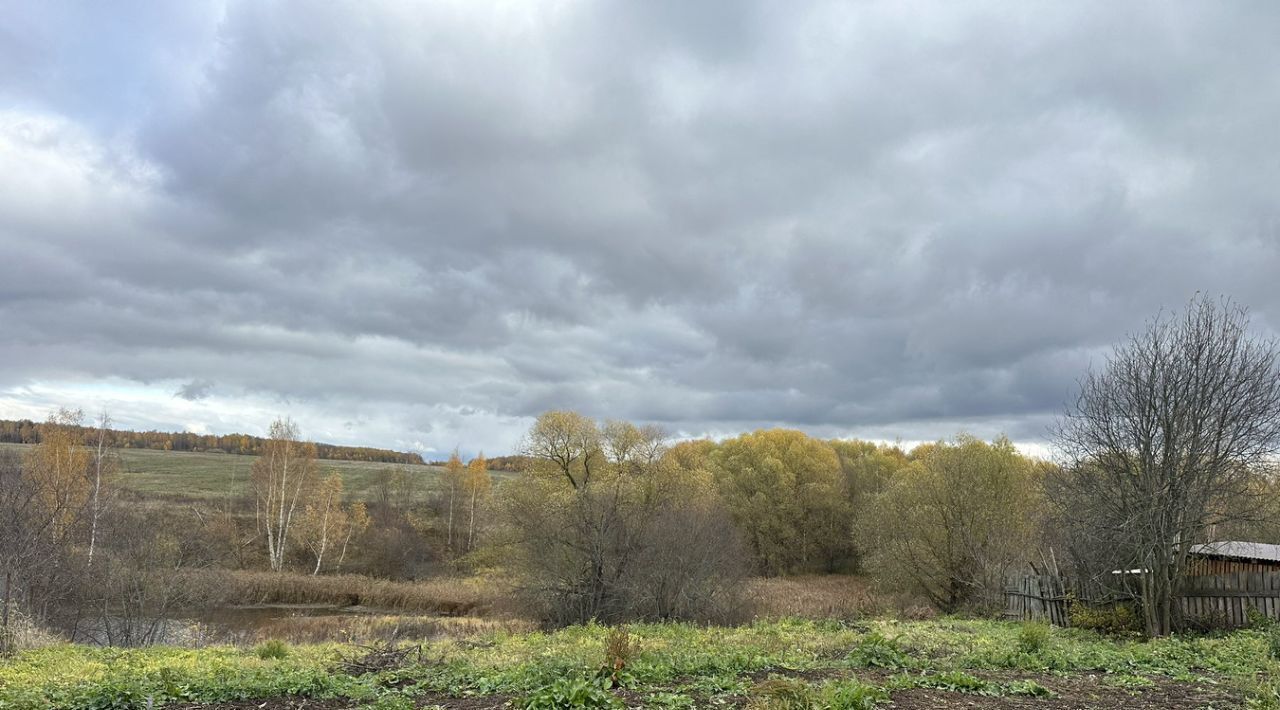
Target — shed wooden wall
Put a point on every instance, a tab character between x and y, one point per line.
1208	566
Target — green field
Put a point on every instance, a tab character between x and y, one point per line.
784	664
206	476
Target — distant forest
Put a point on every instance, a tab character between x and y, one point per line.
25	431
513	464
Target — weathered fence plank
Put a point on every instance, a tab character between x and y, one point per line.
1227	599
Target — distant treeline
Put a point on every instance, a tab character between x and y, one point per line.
25	431
514	464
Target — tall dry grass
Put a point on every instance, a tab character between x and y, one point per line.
827	597
450	596
366	629
23	634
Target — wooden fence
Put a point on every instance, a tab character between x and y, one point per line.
1037	597
1223	599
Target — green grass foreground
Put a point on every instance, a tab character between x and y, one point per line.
788	663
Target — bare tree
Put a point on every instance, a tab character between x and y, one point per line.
1162	440
603	527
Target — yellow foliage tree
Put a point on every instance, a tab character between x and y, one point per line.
455	480
949	525
322	519
478	484
783	489
61	470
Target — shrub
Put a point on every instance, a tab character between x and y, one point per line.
1273	641
1257	620
782	694
1115	619
876	651
1209	622
572	693
959	682
619	649
1033	636
273	649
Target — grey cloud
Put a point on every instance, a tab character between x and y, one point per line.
194	390
415	221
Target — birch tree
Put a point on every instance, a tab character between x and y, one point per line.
327	523
104	464
455	479
282	477
478	484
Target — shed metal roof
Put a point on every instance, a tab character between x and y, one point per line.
1238	550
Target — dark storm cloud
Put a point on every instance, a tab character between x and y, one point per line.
416	222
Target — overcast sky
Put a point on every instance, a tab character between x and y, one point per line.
418	225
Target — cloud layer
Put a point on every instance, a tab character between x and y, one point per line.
419	224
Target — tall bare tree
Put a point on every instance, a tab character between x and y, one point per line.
1162	442
103	466
282	478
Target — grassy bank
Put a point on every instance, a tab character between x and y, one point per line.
774	664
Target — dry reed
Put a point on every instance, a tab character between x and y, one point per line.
445	596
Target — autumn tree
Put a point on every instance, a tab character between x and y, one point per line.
478	484
282	478
61	470
783	490
455	481
951	524
866	469
327	522
1164	441
565	443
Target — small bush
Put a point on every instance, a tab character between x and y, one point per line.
1210	622
1118	619
619	649
876	651
274	649
570	693
1033	636
1257	620
960	682
782	694
1273	641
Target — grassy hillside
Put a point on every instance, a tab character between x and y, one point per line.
204	476
787	664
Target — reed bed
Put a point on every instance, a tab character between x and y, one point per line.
368	628
827	597
449	596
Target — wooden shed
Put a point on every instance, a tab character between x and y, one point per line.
1229	557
